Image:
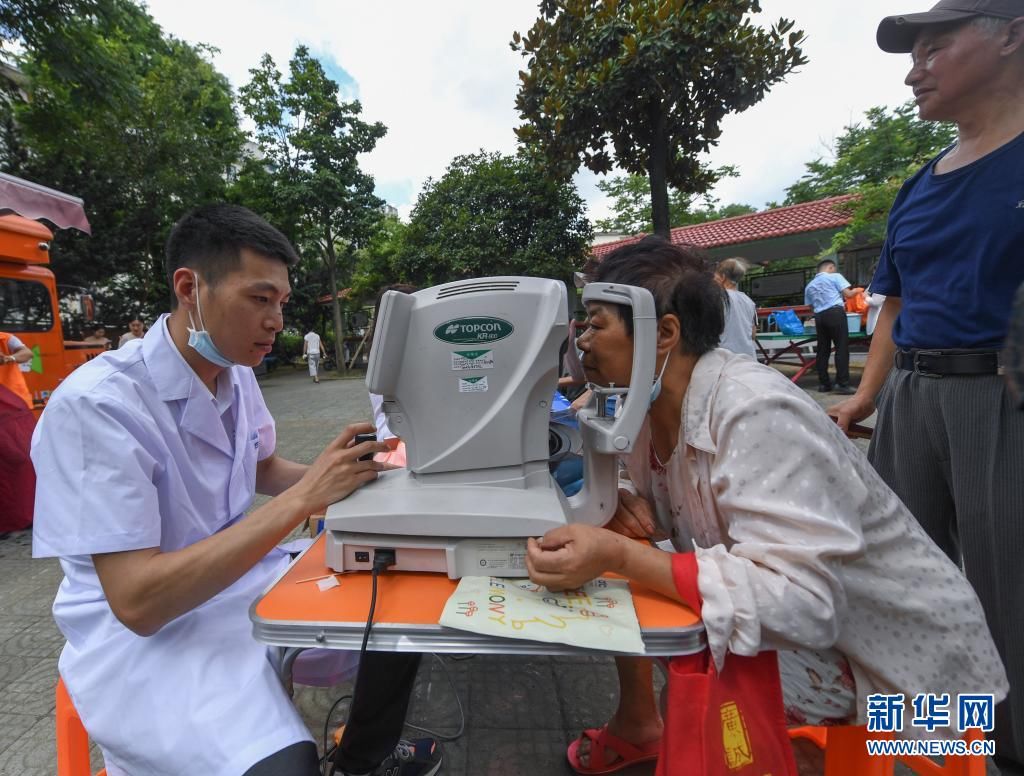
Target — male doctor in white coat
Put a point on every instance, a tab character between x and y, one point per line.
147	459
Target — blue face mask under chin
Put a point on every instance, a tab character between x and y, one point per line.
656	387
199	339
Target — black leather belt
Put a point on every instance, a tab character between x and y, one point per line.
940	363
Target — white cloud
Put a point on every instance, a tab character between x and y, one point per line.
443	79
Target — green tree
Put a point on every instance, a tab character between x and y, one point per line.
310	141
158	141
69	32
872	152
491	214
645	83
872	159
631	205
376	263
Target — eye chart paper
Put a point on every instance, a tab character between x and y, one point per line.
599	615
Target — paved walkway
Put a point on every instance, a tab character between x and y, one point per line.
519	712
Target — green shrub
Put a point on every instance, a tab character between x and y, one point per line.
289	345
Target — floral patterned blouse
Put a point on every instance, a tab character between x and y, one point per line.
800	544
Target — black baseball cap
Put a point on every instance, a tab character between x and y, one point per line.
896	34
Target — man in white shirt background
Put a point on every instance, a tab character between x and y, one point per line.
311	348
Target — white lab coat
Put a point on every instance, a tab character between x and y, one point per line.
134	452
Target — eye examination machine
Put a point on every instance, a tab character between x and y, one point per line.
467	371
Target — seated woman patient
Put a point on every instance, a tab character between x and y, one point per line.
784	537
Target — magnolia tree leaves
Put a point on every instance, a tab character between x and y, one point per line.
644	85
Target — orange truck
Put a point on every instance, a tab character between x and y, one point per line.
29	307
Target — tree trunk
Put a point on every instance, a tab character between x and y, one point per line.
656	170
331	259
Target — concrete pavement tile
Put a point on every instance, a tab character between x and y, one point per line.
538	752
32	601
95	758
11	624
518	693
31	691
13	726
13	667
42	639
29	569
440	689
34	753
17	544
587	693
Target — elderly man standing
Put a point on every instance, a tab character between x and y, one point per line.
948	439
740	313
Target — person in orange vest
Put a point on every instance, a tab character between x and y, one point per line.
13	354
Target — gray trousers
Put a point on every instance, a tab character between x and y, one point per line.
952	449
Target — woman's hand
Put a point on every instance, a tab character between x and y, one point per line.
567	557
633	517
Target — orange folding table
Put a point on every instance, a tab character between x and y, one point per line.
296	613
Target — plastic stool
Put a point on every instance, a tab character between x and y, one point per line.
846	754
72	740
845	751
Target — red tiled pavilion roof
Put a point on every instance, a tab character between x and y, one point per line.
779	222
342	294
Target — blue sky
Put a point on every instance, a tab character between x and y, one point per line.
443	79
348	87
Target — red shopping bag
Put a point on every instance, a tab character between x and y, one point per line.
728	724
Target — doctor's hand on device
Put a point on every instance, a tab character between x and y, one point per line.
338	470
147	588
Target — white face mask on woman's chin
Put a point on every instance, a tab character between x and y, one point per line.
655	388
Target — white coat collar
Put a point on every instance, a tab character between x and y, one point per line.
171	374
175	380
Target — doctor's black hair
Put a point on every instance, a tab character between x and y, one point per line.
210	239
682	281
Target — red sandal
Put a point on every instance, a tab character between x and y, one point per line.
601	741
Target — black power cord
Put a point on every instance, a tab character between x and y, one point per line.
382	559
327	722
446	737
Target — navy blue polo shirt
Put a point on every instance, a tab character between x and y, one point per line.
954	252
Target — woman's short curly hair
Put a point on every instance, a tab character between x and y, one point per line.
682	282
